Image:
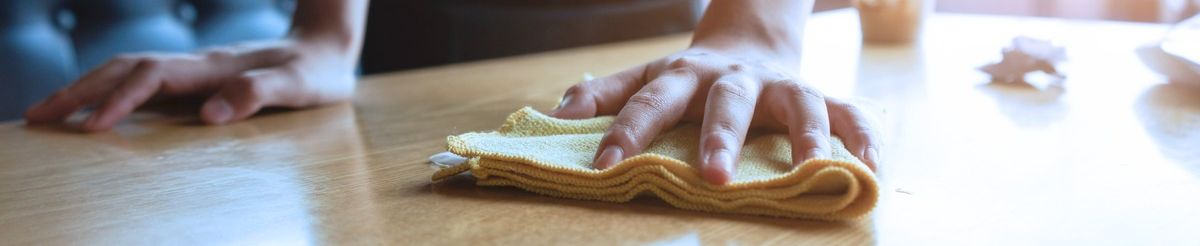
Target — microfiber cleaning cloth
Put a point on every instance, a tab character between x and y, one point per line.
553	157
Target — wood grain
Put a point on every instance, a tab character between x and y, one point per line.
1114	158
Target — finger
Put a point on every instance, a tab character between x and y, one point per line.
727	115
245	95
658	105
250	56
850	123
89	89
802	109
603	96
141	84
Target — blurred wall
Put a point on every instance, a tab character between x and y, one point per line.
1166	11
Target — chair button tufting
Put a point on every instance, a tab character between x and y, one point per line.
64	19
186	12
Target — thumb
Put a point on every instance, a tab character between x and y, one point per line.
245	95
603	96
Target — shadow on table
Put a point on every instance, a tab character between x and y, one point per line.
1026	105
179	121
1170	114
464	186
184	112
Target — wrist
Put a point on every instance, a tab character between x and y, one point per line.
325	38
330	45
759	48
771	29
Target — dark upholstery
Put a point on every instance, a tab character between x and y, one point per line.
418	33
46	44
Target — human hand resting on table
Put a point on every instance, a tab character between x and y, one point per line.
732	78
314	65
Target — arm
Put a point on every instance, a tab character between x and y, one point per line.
734	76
755	27
313	65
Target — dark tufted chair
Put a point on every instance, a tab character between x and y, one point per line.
46	44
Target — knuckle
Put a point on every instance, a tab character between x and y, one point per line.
580	93
290	70
864	140
812	130
861	134
682	62
220	54
686	72
280	54
126	60
866	133
647	102
810	92
864	129
719	140
800	91
732	90
855	114
124	92
737	67
810	139
248	86
621	133
788	79
723	130
149	63
850	108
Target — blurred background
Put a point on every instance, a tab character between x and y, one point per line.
46	44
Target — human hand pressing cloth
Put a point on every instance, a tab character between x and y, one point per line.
734	77
551	156
678	128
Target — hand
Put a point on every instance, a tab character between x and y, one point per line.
314	65
731	79
728	92
236	80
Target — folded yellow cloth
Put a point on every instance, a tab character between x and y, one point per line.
553	156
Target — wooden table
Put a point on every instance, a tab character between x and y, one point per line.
1112	159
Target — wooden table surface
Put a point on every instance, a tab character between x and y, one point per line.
1114	158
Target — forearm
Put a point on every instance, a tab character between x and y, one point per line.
338	22
774	25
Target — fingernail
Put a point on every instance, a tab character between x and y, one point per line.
562	102
91	123
722	161
609	157
218	111
872	157
812	154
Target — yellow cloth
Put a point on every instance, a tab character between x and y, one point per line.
552	156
